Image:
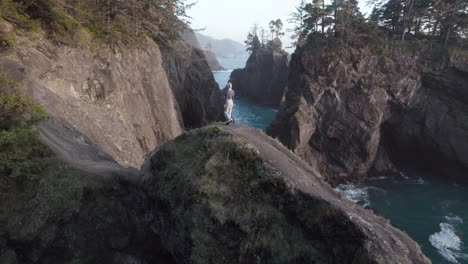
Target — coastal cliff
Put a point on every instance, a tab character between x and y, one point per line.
264	78
211	57
353	115
92	96
211	194
128	100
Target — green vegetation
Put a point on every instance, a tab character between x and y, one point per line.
22	154
37	191
7	41
16	12
224	203
66	22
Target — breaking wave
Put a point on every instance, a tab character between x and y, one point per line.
447	242
359	195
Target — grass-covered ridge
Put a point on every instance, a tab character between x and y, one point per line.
221	201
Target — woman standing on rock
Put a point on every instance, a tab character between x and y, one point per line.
229	104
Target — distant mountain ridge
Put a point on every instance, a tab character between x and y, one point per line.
226	48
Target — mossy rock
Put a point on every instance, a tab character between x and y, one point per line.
70	216
220	203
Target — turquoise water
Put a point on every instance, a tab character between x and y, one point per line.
244	112
434	212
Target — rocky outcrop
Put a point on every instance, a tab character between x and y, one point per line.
352	114
241	197
264	78
128	100
213	61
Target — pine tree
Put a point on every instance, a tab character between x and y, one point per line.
297	20
253	42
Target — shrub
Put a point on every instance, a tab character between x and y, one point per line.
6	41
21	151
15	12
16	108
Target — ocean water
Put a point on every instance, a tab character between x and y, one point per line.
433	211
244	112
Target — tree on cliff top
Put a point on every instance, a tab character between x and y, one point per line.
253	42
437	20
296	18
276	29
441	23
112	20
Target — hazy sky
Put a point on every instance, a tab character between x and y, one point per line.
233	18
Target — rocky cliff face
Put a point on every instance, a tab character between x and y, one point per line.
264	78
126	100
434	125
195	89
213	61
340	111
191	39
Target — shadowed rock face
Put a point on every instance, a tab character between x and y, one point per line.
264	78
197	93
241	197
213	61
349	116
126	100
434	126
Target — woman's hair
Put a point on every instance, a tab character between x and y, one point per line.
229	85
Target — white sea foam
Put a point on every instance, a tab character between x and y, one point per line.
378	178
420	180
403	175
447	242
356	194
454	219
